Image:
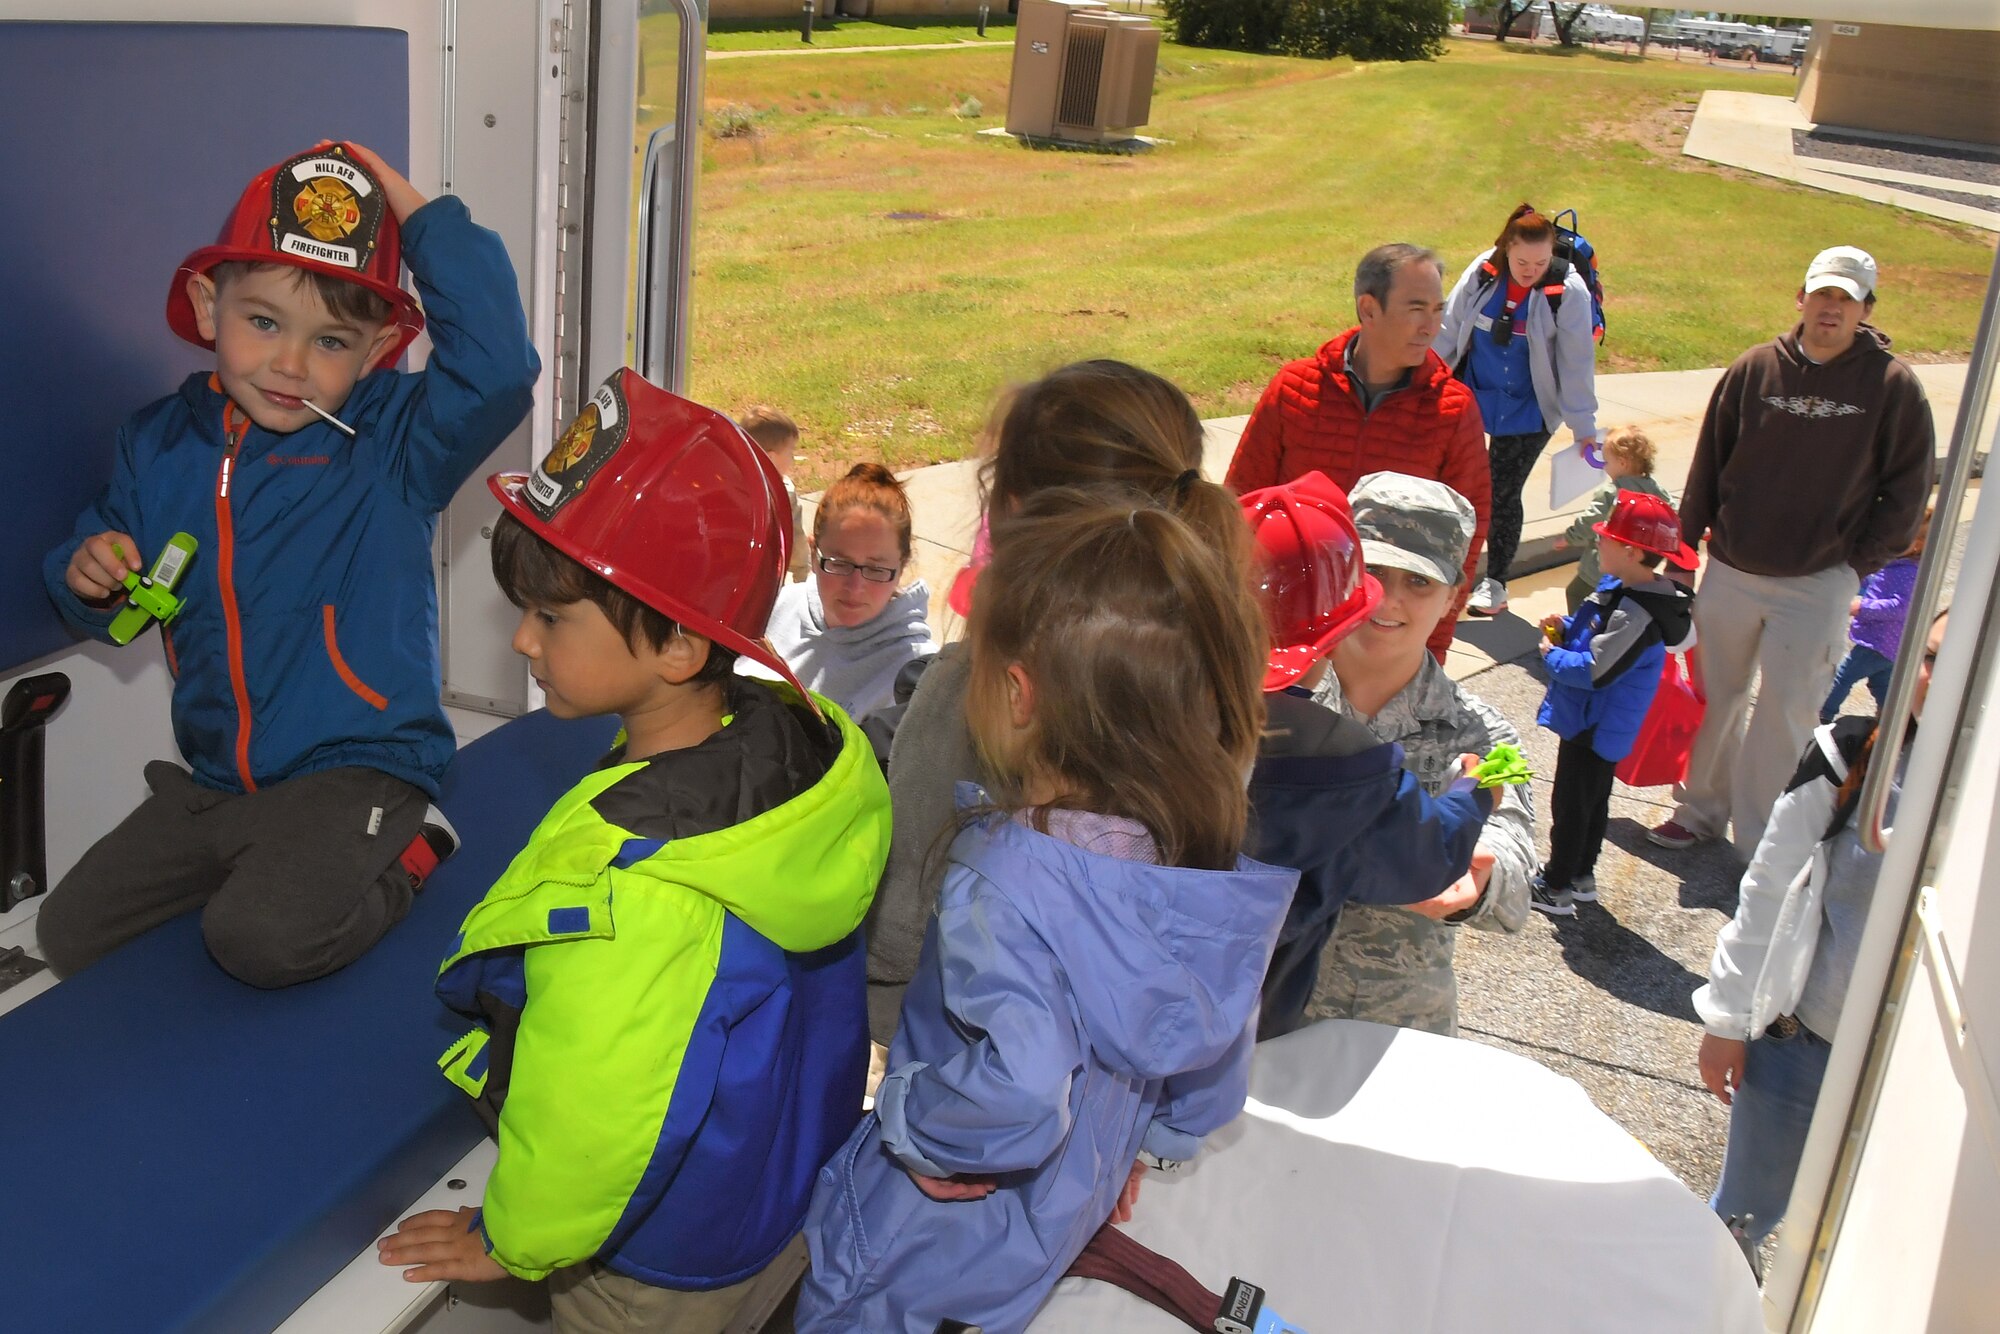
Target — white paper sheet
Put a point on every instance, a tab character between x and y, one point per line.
1574	470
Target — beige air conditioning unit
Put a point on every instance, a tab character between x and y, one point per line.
1081	72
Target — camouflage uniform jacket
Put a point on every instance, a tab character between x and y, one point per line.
1391	965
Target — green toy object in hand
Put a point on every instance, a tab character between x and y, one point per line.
1503	767
151	596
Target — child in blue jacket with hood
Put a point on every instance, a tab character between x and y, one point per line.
1086	997
310	473
1327	797
1604	669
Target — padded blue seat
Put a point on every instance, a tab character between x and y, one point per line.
187	1153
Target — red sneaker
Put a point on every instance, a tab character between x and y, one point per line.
1672	835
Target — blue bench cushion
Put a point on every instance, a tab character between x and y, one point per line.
191	1154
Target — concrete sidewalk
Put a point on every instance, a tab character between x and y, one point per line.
1668	404
1754	131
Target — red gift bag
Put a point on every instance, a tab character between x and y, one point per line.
1660	755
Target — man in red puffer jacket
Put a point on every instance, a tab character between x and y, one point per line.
1377	399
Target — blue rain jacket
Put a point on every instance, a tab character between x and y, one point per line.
1068	1010
309	639
1330	799
1604	674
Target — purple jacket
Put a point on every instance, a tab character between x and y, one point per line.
1885	605
1070	1009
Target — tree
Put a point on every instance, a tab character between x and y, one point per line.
1242	25
1363	29
1507	11
1565	17
1367	29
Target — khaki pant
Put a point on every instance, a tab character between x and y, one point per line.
1787	633
590	1299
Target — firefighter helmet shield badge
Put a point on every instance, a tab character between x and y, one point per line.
325	207
590	440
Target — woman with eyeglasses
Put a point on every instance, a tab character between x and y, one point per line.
849	629
1519	331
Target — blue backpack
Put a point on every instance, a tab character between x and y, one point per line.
1572	251
1575	251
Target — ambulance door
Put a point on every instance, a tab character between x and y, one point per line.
1894	1222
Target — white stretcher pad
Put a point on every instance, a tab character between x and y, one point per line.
1394	1182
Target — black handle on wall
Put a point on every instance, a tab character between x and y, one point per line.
24	853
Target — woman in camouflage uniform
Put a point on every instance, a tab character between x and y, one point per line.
1393	965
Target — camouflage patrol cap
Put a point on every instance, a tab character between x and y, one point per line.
1413	523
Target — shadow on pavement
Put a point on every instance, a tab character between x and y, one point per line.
1502	638
1622	963
1708	872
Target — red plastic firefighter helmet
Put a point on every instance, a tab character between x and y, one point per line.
320	210
1650	524
1314	582
671	502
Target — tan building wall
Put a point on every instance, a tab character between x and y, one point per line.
791	9
766	9
1936	82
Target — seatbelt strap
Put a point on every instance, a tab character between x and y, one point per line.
1114	1258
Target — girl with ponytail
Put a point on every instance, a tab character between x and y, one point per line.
1091	433
1518	330
1085	1002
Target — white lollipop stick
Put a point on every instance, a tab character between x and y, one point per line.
330	419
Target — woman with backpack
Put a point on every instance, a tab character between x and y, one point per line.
1781	967
1521	331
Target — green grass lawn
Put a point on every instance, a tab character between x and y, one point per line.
1217	258
775	35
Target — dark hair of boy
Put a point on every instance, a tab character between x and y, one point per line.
1650	559
348	301
531	573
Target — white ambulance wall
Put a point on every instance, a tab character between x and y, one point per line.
115	720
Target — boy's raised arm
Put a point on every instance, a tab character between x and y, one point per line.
480	380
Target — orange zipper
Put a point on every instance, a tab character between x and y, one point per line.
225	564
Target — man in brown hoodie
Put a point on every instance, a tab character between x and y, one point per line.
1811	472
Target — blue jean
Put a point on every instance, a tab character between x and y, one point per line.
1767	1133
1861	664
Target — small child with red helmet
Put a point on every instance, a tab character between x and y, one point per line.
1327	797
1604	668
669	980
309	474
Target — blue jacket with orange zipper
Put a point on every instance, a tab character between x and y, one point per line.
309	636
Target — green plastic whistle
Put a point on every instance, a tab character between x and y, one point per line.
151	596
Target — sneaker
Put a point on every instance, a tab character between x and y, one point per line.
1554	902
1669	834
435	841
1489	598
1583	889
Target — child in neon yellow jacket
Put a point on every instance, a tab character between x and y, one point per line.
670	974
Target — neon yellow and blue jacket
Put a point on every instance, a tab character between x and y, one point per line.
671	985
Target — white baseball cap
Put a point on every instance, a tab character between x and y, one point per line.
1845	267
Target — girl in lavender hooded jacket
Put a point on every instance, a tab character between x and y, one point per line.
1877	627
1086	1000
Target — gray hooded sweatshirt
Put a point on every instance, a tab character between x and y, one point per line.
855	666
